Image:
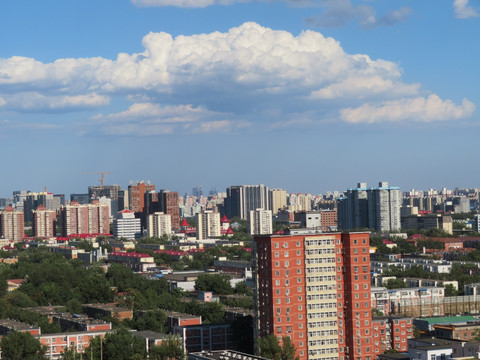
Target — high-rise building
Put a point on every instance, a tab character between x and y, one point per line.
125	225
170	204
315	289
33	200
136	195
85	219
277	199
384	205
44	221
208	225
373	208
12	224
159	224
260	222
241	199
96	192
353	208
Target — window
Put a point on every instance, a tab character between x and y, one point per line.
299	271
299	262
277	245
276	254
277	282
286	254
279	329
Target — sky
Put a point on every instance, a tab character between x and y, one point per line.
306	95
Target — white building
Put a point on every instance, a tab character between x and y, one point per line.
159	224
384	207
127	226
208	225
260	222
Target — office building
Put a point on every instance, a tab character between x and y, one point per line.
82	199
159	224
241	199
260	222
315	288
127	226
136	195
44	222
11	224
208	225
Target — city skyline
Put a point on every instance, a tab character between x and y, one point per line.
238	92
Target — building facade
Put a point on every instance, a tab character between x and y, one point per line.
85	219
208	225
12	224
159	224
136	195
44	222
127	226
241	199
315	288
260	222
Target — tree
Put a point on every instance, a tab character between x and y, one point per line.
119	345
476	335
218	283
450	290
22	345
268	347
288	350
169	349
395	284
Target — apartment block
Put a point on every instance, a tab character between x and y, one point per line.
260	222
127	226
315	289
12	224
208	225
85	219
159	224
136	195
44	222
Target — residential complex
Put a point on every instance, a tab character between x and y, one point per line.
11	224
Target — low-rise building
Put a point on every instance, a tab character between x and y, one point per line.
206	337
8	325
136	261
80	322
107	310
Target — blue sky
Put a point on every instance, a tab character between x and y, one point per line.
308	95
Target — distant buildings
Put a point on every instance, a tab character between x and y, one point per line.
373	208
277	199
12	224
241	199
136	195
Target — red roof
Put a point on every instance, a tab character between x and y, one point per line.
16	281
185	222
125	211
224	219
388	242
129	254
230	231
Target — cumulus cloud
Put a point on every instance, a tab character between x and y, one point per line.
214	82
462	10
420	109
154	119
341	12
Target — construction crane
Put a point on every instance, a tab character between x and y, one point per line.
103	173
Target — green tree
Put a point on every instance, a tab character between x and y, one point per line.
450	290
269	348
169	349
21	346
218	283
288	350
119	345
3	286
476	335
395	284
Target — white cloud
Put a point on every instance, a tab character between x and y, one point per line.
35	101
462	10
419	109
250	74
185	3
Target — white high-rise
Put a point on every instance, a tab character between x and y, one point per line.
260	222
384	205
208	225
159	224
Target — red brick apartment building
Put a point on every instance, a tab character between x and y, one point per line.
391	333
136	195
315	289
